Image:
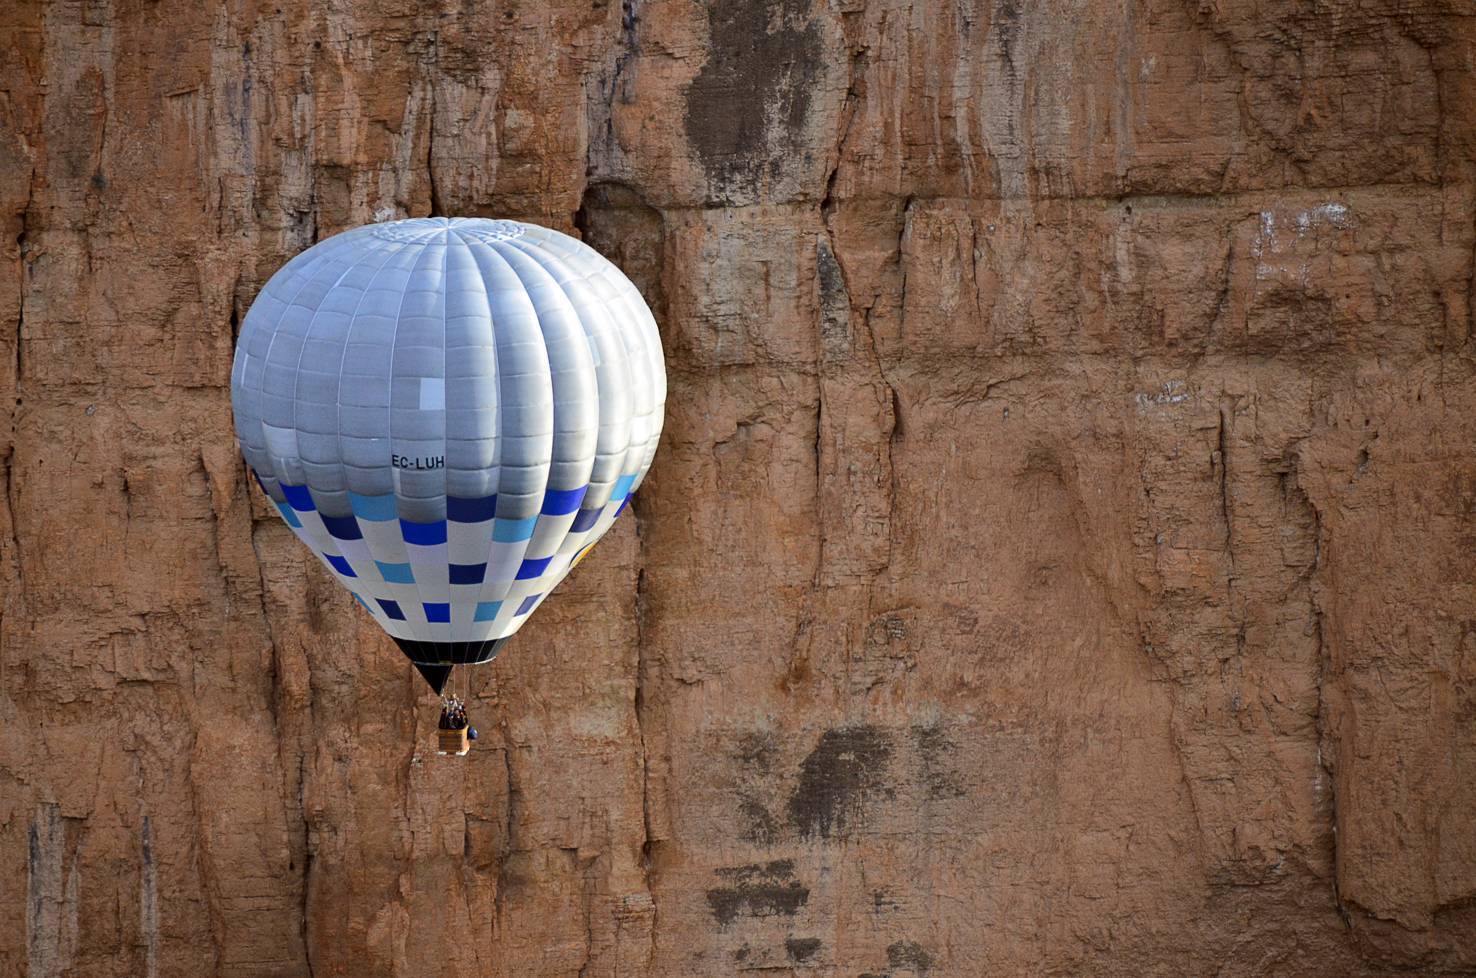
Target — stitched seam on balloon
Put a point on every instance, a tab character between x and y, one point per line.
389	412
554	267
630	296
540	255
388	624
343	358
466	246
493	246
639	359
297	380
619	334
553	400
267	357
634	451
445	304
471	247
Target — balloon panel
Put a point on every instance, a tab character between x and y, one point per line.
449	412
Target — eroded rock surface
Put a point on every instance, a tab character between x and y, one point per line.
1059	560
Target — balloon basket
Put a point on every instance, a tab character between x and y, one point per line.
450	742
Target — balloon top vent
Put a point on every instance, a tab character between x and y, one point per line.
424	230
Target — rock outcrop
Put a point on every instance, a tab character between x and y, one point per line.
1059	561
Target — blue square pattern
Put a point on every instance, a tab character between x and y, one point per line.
299	497
468	573
512	531
528	603
487	610
340	565
562	502
391	609
586	519
423	534
471	510
530	569
375	509
342	527
396	573
437	611
288	514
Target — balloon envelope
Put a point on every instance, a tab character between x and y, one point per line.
449	412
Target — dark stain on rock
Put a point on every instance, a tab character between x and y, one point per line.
615	220
801	949
910	955
846	768
1007	15
33	843
756	752
882	902
835	301
935	749
758	890
759	826
764	58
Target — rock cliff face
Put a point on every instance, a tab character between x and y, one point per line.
1059	560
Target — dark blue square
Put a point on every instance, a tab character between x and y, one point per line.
391	609
424	534
437	612
340	565
298	497
562	502
343	527
528	603
532	568
471	510
586	519
468	573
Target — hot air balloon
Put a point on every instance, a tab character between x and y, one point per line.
449	413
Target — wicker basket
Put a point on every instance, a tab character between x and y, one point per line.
452	742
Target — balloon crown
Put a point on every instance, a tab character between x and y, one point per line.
425	229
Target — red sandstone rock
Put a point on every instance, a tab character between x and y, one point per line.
1058	562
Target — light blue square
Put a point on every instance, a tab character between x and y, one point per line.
378	509
396	573
487	610
511	531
